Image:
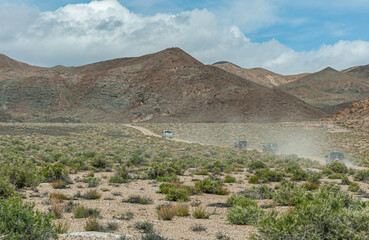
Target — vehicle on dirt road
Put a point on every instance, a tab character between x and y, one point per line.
335	156
270	147
167	134
240	144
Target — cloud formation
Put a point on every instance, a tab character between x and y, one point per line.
83	33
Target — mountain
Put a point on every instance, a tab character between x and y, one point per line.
168	86
360	72
328	89
356	111
259	75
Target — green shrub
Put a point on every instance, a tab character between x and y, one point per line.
296	172
57	171
269	175
229	179
59	184
197	228
182	210
84	212
337	167
92	224
362	175
255	164
166	212
200	213
289	194
241	200
93	194
345	180
258	192
354	187
210	186
254	179
165	187
138	199
329	214
19	221
164	169
169	178
335	176
248	215
314	177
6	189
116	179
177	195
100	162
146	227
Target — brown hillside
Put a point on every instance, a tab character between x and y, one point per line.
356	111
328	89
166	86
360	72
259	75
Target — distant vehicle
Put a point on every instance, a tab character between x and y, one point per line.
240	144
270	147
167	134
335	156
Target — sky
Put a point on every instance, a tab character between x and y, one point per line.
284	36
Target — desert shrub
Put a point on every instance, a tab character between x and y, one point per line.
92	181
335	176
58	196
197	228
241	200
165	187
19	221
6	189
146	227
100	162
116	179
164	169
258	192
269	175
200	213
138	199
202	172
57	171
289	194
59	184
168	178
57	209
311	186
123	172
92	194
126	215
248	215
182	210
337	167
256	164
314	177
153	236
222	236
354	187
361	175
296	172
62	227
210	186
84	212
329	214
92	224
345	180
21	172
229	179
177	195
254	179
166	212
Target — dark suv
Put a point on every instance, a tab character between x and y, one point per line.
335	156
270	147
240	144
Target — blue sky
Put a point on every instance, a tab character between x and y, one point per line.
274	34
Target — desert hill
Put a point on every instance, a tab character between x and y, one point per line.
259	75
328	89
356	111
168	86
361	72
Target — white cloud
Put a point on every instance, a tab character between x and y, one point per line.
83	33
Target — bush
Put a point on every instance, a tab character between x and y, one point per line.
19	221
289	194
241	200
354	187
314	177
197	228
138	199
258	192
93	194
269	175
169	178
146	227
6	189
58	196
57	171
177	195
248	215
254	179
296	172
200	212
229	179
62	227
182	210
345	180
92	224
100	162
59	184
166	212
210	186
329	214
83	212
165	187
362	175
116	179
164	169
337	167
255	164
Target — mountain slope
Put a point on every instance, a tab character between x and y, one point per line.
328	89
360	72
168	86
259	75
